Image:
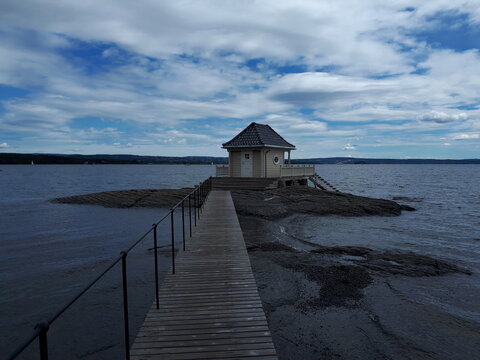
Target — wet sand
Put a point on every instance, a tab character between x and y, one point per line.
346	302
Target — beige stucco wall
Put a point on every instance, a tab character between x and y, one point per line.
259	158
234	163
272	169
257	163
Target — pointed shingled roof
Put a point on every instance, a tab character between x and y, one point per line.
258	135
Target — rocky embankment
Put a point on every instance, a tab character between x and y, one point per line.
268	204
129	198
282	202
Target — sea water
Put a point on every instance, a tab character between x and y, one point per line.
50	251
425	316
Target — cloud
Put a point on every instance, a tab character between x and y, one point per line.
330	69
442	118
4	145
309	127
466	137
322	33
350	147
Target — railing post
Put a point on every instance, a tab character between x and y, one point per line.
125	305
190	212
155	246
172	226
195	196
198	202
183	225
208	187
42	340
195	205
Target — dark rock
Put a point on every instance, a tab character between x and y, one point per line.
409	264
339	284
129	198
281	202
396	263
268	204
347	250
270	246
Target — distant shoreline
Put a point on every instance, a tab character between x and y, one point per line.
124	159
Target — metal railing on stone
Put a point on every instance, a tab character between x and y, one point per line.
222	170
297	170
195	199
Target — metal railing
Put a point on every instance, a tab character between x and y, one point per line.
222	170
297	170
196	200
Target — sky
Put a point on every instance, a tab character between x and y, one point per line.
384	79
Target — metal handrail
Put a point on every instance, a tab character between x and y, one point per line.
198	195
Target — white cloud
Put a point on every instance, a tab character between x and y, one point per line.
323	33
309	127
442	118
4	145
466	136
350	147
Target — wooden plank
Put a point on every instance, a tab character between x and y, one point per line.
236	354
212	336
210	309
214	305
209	315
202	342
204	348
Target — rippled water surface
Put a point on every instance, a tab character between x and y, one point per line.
437	317
50	251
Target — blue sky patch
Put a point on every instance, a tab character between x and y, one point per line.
94	57
451	30
10	92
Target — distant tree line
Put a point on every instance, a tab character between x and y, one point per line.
17	158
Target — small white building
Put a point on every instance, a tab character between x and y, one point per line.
260	152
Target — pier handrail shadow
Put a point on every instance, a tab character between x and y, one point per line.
194	201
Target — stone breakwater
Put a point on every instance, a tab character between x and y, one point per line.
163	198
282	202
268	204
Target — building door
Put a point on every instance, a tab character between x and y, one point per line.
247	164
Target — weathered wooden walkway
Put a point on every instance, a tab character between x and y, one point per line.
210	309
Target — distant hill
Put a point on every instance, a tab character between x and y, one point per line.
349	160
16	158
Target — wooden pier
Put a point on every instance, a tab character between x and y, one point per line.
210	309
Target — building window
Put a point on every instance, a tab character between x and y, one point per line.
276	160
247	156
